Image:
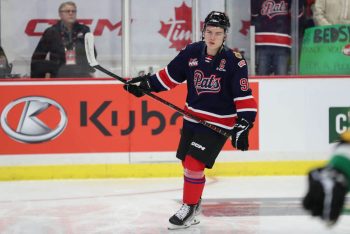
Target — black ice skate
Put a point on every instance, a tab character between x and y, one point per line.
185	217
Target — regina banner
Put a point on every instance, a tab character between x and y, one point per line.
326	51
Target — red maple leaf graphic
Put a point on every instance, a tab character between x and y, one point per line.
179	30
165	28
245	27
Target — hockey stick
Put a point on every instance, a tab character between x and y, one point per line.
90	54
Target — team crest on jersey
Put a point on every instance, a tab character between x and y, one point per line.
204	84
270	8
193	62
222	65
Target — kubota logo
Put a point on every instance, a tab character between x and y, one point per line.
33	119
36	27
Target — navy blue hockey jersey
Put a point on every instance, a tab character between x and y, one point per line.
272	22
217	87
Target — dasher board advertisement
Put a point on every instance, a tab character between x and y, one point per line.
90	116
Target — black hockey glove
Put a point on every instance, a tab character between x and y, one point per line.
141	89
240	134
326	195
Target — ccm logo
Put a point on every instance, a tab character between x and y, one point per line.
197	146
22	119
36	27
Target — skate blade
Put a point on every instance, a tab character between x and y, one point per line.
195	221
176	227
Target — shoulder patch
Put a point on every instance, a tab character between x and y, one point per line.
237	54
242	63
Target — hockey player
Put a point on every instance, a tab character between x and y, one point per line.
218	92
328	185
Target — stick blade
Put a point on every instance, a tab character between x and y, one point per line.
89	49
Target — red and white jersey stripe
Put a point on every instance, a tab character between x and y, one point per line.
223	121
273	39
166	80
246	103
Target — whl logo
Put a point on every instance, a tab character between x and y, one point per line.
193	62
339	122
179	30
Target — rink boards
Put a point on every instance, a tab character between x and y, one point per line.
103	132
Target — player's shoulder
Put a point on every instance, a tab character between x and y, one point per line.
195	46
235	56
233	53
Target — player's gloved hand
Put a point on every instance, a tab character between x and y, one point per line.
138	90
240	134
326	193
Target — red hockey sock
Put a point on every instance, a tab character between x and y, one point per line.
194	180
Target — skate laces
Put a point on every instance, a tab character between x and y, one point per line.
184	210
